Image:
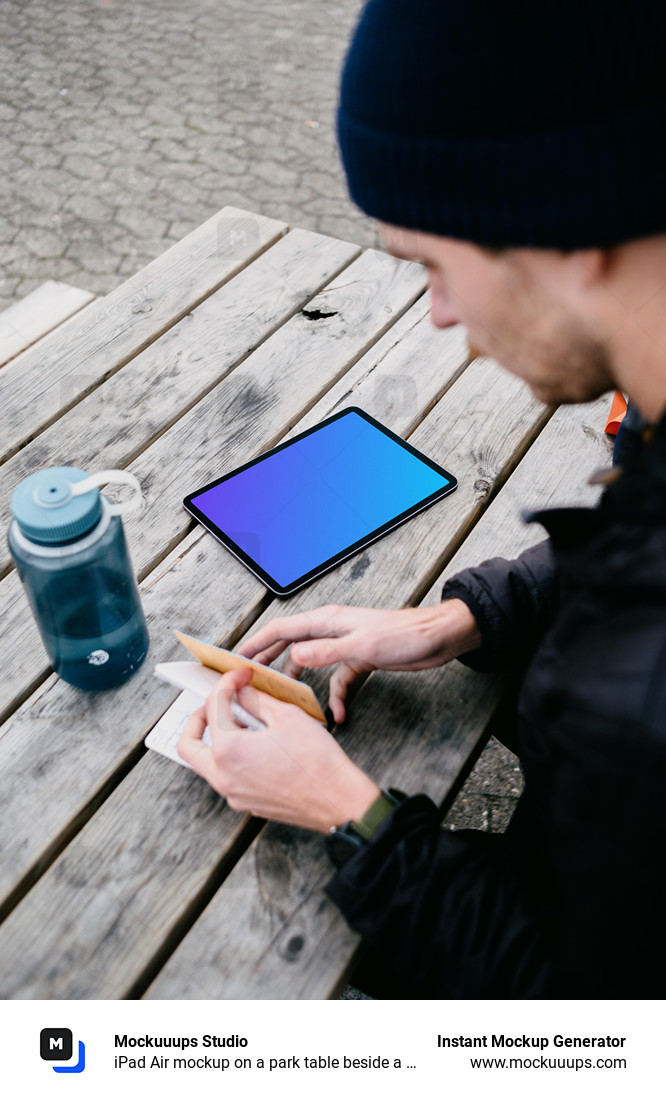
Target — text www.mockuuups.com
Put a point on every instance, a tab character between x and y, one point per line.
544	1062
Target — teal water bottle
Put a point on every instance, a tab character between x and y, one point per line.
68	544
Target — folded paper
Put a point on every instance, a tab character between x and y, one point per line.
264	679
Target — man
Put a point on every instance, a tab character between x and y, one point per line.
516	151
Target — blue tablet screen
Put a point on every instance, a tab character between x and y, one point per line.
310	501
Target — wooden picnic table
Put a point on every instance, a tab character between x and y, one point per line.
122	874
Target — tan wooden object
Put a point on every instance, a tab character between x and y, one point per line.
197	609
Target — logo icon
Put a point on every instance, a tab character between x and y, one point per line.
56	1045
98	657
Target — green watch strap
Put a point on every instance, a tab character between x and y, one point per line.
376	813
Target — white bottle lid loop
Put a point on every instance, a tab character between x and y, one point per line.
115	477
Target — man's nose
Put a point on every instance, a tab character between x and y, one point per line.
443	313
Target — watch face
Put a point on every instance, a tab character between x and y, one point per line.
342	844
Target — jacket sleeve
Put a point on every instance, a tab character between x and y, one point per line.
513	603
568	902
448	909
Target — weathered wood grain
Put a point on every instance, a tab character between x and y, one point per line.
554	473
115	328
395	377
92	879
237	419
134	949
271	934
27	320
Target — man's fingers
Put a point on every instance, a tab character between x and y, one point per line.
291	668
291	628
343	676
327	651
267	656
218	703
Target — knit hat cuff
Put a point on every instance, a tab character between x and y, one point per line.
592	185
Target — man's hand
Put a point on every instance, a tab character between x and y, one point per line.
363	639
292	771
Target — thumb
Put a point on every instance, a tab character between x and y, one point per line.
218	703
262	705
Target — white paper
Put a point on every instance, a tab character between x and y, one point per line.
198	682
163	737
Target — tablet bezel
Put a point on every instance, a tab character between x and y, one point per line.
300	582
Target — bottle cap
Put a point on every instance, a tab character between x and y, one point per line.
47	510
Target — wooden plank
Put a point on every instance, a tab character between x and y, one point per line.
269	934
177	370
38	313
555	473
115	328
233	421
395	379
85	727
133	951
92	879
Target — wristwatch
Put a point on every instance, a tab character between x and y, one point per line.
342	842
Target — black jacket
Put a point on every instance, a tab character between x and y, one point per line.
569	901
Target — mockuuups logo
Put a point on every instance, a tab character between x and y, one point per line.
56	1044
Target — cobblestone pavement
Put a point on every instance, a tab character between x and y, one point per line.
124	125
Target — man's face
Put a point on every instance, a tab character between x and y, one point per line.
526	308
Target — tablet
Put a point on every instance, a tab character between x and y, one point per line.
297	511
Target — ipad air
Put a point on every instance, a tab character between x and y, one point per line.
300	509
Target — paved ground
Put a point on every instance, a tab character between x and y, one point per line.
124	125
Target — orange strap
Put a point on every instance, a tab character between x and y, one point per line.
616	414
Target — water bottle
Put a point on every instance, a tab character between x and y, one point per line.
68	544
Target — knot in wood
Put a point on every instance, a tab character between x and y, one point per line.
292	948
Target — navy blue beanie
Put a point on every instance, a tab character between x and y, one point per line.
509	122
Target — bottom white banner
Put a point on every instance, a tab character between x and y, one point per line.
332	1048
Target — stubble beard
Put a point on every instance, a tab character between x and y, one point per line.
575	370
561	361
